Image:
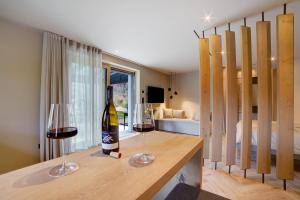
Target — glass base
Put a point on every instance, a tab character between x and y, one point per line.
61	170
141	159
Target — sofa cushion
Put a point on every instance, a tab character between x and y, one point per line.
168	113
179	114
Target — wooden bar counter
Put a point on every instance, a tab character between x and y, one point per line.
177	159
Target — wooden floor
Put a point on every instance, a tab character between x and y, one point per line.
234	186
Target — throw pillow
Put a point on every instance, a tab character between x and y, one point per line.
168	113
178	114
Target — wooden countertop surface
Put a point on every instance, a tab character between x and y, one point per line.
101	177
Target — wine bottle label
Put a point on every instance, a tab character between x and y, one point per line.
110	146
109	140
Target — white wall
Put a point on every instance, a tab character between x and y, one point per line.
187	85
20	66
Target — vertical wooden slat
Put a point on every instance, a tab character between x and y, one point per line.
264	96
231	97
204	75
274	94
285	58
217	109
224	71
246	96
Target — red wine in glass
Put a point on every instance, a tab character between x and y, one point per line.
61	133
143	127
62	125
143	122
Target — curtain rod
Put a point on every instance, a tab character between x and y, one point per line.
74	41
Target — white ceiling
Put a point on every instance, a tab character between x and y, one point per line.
155	33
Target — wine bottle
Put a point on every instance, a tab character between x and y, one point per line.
110	125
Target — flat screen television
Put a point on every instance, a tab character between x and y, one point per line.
155	95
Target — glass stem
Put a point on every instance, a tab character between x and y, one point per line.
144	157
63	154
144	140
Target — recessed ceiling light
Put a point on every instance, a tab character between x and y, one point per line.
273	58
222	52
207	17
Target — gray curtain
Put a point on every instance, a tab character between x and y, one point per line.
53	78
71	73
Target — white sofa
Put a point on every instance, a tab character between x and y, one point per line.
186	126
177	125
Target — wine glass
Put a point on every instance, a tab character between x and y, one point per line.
61	125
143	121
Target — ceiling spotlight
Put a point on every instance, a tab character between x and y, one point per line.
207	18
222	52
273	58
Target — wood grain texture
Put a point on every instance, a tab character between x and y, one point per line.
102	177
285	58
235	186
274	94
264	97
246	57
231	97
224	71
204	75
217	108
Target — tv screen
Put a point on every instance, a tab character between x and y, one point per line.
155	95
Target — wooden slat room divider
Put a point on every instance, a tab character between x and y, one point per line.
204	74
275	96
285	100
231	98
264	97
246	57
217	109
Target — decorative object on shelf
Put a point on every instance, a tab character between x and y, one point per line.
61	125
143	121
